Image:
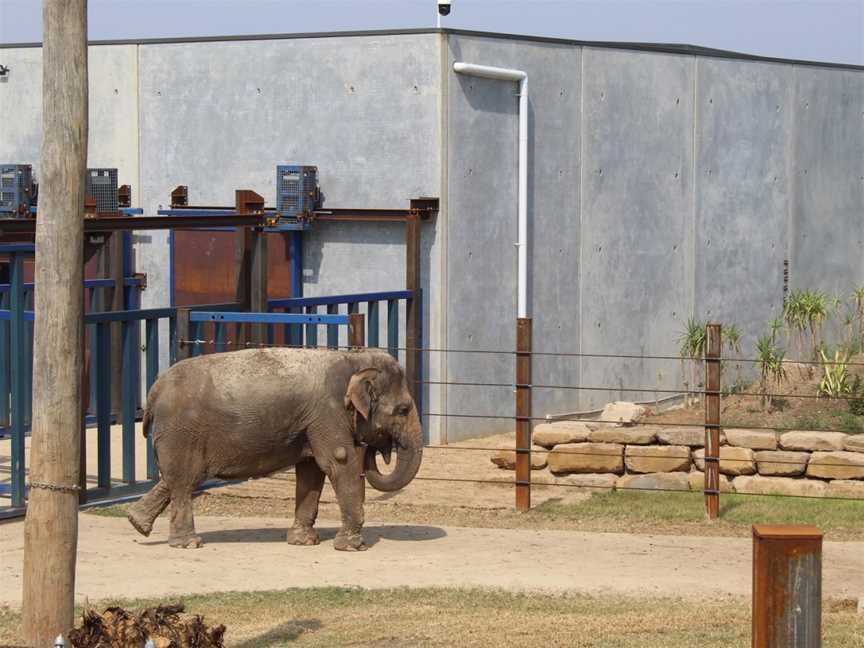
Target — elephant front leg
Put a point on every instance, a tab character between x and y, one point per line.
349	483
310	481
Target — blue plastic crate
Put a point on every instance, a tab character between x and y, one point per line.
297	193
16	189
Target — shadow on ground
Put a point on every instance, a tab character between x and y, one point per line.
284	632
371	534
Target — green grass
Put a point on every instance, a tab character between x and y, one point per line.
735	510
473	617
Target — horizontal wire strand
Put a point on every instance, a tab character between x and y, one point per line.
511	484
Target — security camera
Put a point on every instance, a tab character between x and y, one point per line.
444	7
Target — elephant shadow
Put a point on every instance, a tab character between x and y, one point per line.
372	534
289	631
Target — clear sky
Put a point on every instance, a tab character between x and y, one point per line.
822	30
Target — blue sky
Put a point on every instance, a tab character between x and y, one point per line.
823	30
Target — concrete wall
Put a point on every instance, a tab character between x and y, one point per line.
827	200
663	187
480	268
742	187
113	140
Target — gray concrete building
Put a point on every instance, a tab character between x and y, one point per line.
665	182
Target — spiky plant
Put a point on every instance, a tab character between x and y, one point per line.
692	350
795	316
732	341
772	373
835	375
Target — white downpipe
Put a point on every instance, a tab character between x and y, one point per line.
506	74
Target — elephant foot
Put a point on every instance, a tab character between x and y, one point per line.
349	542
140	522
190	541
302	536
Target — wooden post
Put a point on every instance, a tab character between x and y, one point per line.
712	421
51	526
251	260
787	586
184	329
356	330
523	413
114	246
413	306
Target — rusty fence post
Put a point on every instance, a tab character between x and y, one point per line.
712	421
182	328
356	330
787	586
523	413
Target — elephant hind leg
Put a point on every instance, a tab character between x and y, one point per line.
310	481
182	533
144	512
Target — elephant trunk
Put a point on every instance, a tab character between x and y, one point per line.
409	454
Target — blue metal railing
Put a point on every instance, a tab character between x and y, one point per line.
297	335
16	328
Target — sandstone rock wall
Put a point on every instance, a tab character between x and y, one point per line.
636	456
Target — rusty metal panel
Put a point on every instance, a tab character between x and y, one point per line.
787	586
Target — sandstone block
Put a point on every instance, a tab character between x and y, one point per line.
854	443
638	435
851	488
587	458
622	412
759	485
549	435
588	480
697	482
733	461
753	439
660	481
784	463
657	459
686	436
836	465
506	459
812	441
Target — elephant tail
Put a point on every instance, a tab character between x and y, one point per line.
146	421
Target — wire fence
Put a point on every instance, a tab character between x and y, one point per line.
702	457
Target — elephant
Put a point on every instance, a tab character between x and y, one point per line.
246	414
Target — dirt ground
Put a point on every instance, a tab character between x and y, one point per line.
250	554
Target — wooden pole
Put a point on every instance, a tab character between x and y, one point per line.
413	318
51	526
712	421
523	413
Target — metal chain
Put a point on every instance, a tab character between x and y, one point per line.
55	487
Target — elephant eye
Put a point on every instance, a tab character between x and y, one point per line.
402	410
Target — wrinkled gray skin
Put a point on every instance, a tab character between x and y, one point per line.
250	413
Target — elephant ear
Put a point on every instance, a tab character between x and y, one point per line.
361	393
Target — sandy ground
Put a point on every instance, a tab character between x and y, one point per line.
251	554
